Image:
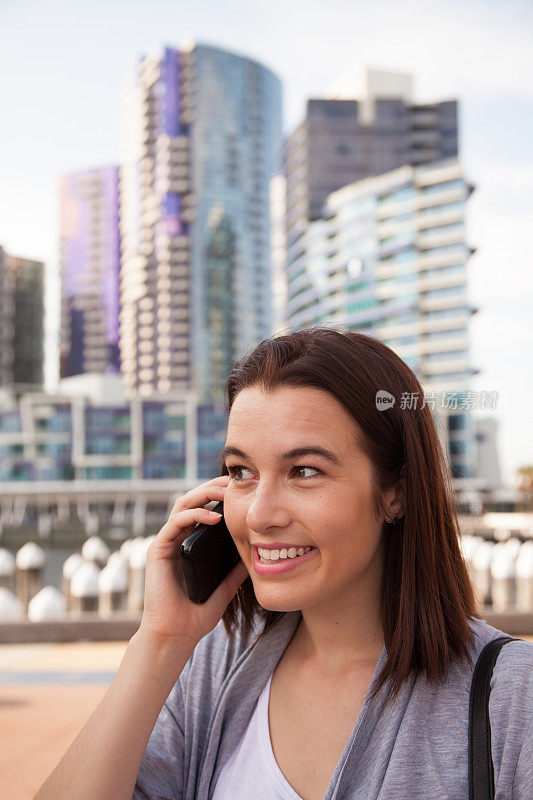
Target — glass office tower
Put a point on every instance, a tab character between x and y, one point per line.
388	257
202	139
90	264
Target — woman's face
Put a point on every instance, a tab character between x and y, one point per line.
305	500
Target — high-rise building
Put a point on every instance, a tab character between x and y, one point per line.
202	139
21	321
388	257
90	265
370	125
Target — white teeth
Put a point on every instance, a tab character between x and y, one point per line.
284	553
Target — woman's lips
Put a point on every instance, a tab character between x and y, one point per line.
281	565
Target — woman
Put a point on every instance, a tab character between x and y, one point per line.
338	671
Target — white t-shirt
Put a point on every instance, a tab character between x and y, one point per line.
252	772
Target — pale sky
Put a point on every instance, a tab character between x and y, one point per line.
63	66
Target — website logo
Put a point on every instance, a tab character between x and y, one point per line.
384	400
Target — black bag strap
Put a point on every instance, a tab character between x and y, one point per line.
480	766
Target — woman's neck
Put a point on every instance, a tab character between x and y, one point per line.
336	644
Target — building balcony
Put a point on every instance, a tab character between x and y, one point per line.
94	331
388	211
392	227
440	198
388	269
440	238
430	282
150	72
439	215
173	184
458	342
443	259
448	170
436	303
439	366
392	331
296	284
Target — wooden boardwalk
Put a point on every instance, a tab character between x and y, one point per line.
47	694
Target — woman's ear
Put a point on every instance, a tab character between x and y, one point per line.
400	496
397	498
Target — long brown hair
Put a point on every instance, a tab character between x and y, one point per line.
426	592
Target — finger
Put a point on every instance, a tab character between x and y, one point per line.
200	495
180	523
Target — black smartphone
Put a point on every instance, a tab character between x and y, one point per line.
208	555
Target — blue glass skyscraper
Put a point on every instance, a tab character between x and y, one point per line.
89	253
202	139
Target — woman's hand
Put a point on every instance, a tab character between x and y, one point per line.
169	616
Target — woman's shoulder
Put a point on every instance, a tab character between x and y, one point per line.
512	677
511	696
515	658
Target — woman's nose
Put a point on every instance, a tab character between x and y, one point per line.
266	510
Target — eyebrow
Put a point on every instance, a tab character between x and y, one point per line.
296	452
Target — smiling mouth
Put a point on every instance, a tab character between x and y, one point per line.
269	556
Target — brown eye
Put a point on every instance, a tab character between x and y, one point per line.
233	472
311	476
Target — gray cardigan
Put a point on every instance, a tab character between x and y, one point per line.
414	749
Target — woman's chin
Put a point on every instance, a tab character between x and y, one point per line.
277	604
